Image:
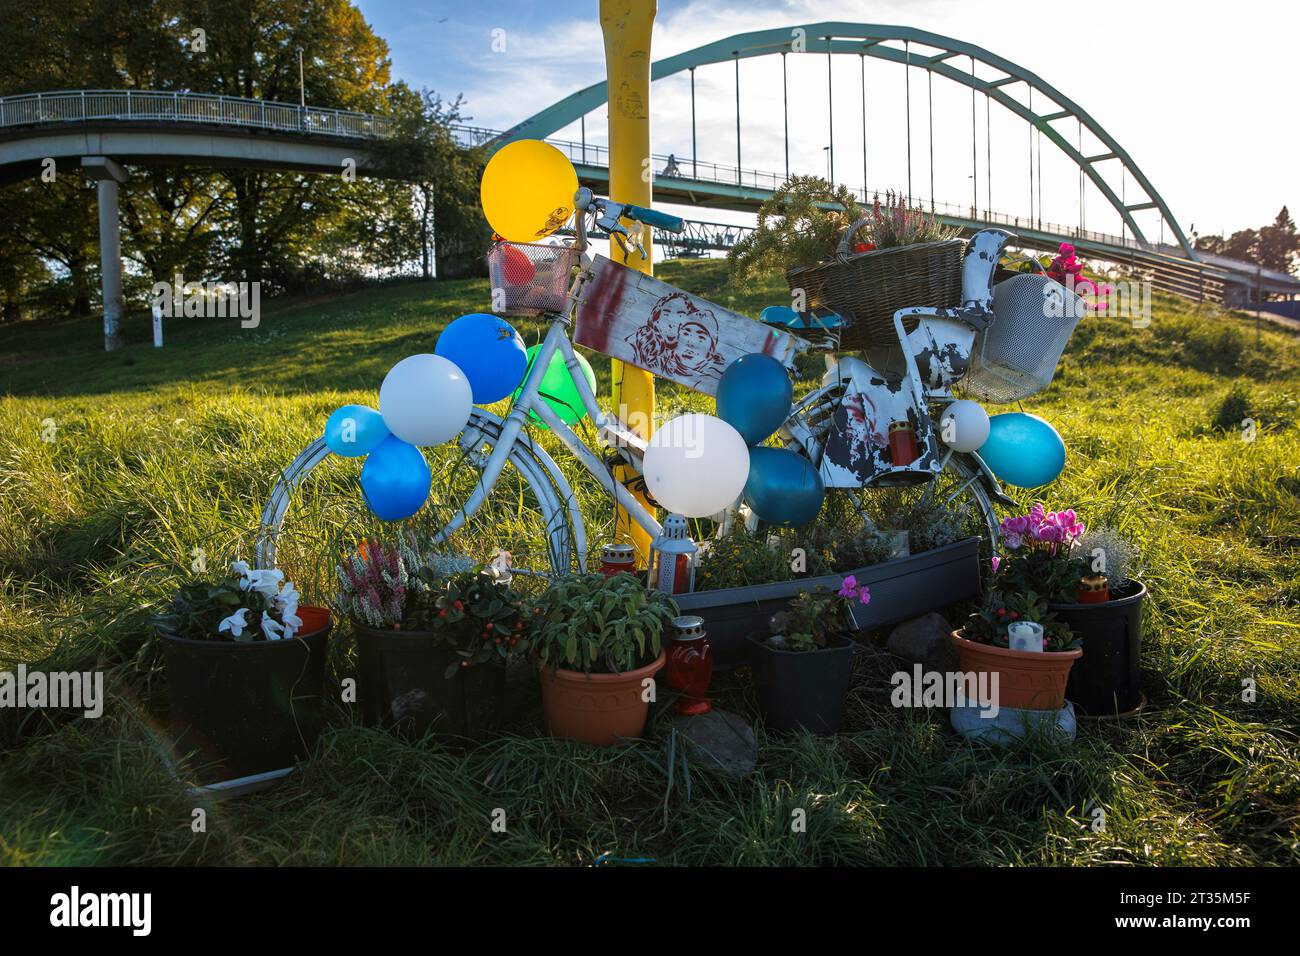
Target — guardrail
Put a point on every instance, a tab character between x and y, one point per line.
73	106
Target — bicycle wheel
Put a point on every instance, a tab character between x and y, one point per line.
531	510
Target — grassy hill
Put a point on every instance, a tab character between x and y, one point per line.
156	453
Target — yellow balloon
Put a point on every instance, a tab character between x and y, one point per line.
527	190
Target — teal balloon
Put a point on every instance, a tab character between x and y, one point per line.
1023	450
490	353
754	396
395	479
784	488
355	430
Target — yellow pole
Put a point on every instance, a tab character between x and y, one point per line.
626	25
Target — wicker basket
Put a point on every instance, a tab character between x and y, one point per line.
867	288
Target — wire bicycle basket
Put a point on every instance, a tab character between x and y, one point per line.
529	279
1016	356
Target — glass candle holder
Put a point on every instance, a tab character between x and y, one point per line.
690	665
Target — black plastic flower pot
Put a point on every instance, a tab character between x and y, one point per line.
1106	681
403	686
244	708
801	690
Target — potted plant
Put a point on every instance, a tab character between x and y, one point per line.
1104	608
433	639
801	668
245	665
597	642
1039	560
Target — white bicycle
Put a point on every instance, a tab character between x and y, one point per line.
498	484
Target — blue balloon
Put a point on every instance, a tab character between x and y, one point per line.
490	353
783	488
1023	450
754	396
354	430
395	479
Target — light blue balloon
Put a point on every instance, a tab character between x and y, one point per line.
490	353
781	315
1023	450
754	396
784	488
395	479
355	430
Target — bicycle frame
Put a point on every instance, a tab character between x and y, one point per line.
557	339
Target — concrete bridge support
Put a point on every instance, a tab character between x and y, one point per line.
110	174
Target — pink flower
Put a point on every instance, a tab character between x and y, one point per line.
848	587
996	562
864	595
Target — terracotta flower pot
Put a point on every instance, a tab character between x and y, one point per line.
1027	680
595	709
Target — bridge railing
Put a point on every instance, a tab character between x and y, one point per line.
70	106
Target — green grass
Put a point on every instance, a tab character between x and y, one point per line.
157	453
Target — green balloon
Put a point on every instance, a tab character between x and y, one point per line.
557	388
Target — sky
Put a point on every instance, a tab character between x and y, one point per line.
1201	95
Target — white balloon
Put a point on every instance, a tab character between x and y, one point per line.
425	399
696	465
964	426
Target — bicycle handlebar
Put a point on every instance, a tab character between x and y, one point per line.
652	217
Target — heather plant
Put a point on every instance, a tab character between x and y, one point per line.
895	223
385	585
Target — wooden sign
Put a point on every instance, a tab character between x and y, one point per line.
639	320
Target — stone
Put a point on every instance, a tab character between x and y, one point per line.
924	640
719	741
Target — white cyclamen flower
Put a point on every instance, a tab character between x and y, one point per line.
271	628
242	569
235	624
266	583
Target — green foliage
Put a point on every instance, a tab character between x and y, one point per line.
1039	571
1000	609
740	559
798	225
600	625
477	615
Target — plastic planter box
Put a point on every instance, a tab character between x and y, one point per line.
900	589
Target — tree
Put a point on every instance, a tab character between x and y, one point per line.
1279	244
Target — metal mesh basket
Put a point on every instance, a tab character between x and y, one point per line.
1017	355
529	279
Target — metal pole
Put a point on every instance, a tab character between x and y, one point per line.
302	86
907	90
862	62
627	25
583	124
695	172
988	147
929	80
1031	159
785	113
974	141
830	114
736	53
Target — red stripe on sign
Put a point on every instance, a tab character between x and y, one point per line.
599	307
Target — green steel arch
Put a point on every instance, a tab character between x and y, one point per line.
870	40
